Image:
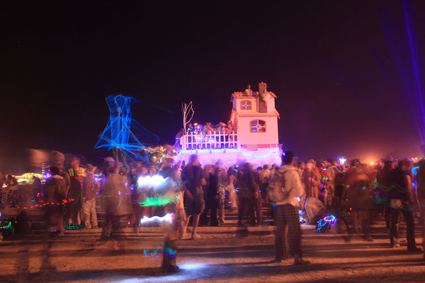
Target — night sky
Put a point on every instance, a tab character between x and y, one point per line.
328	62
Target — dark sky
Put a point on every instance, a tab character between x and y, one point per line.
60	60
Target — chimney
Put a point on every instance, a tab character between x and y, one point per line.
262	87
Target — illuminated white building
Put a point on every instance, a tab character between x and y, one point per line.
255	135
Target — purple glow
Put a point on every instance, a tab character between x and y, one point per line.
232	156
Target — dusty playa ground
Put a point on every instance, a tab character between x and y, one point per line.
223	254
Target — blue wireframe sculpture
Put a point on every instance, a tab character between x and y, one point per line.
122	131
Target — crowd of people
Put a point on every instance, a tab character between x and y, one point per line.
355	193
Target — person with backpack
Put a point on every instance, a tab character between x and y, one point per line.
284	189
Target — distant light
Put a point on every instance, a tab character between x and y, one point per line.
342	160
372	163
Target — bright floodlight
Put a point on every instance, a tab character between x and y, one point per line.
342	160
154	181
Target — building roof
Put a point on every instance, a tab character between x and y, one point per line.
239	94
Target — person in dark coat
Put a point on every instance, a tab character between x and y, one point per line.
402	200
54	195
194	203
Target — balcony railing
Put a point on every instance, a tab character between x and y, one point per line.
214	140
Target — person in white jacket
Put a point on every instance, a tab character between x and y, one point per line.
287	214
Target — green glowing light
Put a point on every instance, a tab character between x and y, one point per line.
157	201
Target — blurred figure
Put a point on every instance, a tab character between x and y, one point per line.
248	91
332	170
265	178
402	200
358	192
324	194
248	193
23	223
168	170
140	194
89	199
2	179
108	166
36	188
420	190
173	231
301	169
311	180
57	159
54	195
314	209
210	198
117	204
193	179
221	176
12	189
273	169
233	198
76	174
257	202
384	180
339	187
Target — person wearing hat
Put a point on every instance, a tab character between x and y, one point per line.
89	202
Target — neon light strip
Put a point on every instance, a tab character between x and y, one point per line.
167	218
226	150
258	156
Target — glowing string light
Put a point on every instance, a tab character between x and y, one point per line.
157	201
259	156
168	218
170	252
121	130
7	226
327	221
415	170
152	253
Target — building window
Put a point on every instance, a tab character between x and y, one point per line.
258	126
246	105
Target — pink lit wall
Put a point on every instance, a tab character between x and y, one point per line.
270	137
